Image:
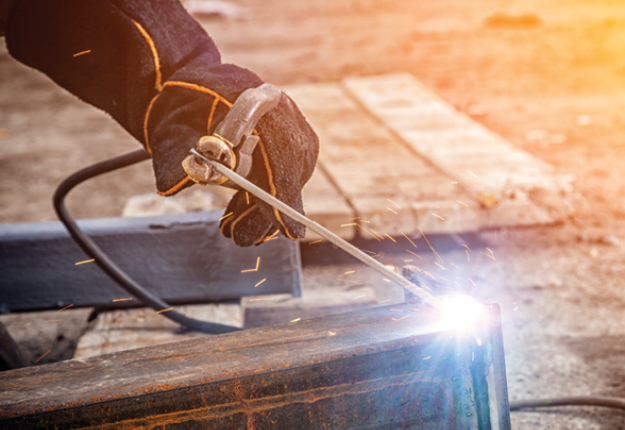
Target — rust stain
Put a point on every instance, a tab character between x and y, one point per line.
249	407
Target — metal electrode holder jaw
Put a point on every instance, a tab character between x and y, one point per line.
233	141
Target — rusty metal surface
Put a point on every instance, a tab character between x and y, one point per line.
381	368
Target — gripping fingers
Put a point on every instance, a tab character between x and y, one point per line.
216	149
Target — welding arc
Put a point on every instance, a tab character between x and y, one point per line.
606	402
322	231
103	261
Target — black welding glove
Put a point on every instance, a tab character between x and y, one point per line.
156	72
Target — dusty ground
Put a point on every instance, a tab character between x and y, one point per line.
560	72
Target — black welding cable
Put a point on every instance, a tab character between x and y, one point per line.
606	402
103	261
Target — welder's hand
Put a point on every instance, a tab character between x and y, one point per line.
284	160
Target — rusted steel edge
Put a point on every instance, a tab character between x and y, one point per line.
241	374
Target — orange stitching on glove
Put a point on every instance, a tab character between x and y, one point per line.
197	88
157	62
239	218
210	117
272	187
175	188
226	221
145	124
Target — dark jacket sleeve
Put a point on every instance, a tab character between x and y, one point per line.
148	64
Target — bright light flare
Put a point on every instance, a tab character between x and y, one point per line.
461	311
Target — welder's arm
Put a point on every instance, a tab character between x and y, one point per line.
155	71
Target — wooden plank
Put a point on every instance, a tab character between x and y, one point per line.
181	258
485	164
122	330
324	204
381	368
377	173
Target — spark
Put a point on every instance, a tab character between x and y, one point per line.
454	182
398	207
438	257
66	307
384	301
515	308
252	270
358	297
349	272
378	234
82	53
491	255
471	281
409	260
44	354
468	258
389	267
409	240
164	310
287	270
392	210
331	333
260	282
474	175
272	237
78	263
455	266
122	300
462	203
466	246
375	237
354	219
438	216
315	241
386	280
370	252
247	198
61	319
417	255
427	358
347	280
295	320
226	216
491	252
439	265
375	255
399	319
347	225
386	234
26	325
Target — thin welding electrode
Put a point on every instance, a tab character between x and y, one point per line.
331	237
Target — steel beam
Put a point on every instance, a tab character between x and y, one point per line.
181	258
382	368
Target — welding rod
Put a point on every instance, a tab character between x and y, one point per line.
322	231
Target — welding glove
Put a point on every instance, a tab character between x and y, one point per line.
154	69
